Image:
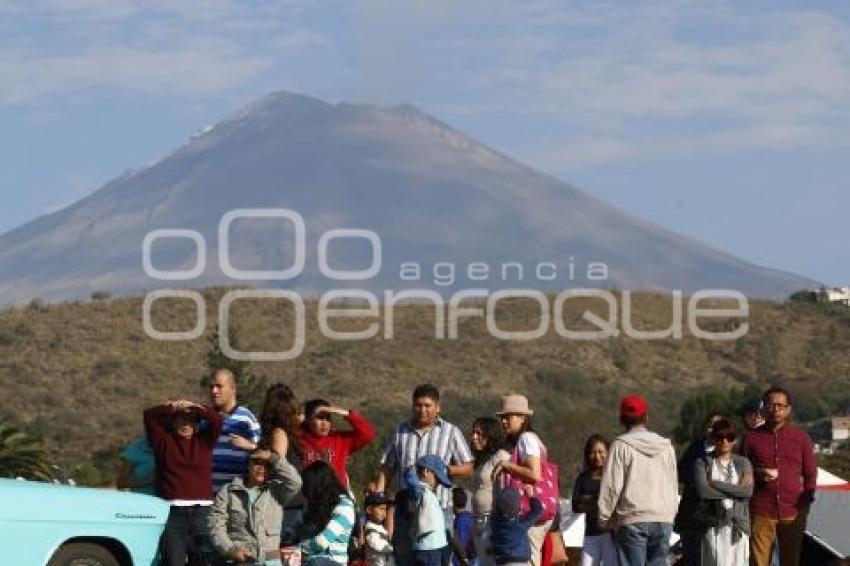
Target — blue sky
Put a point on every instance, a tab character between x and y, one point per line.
726	121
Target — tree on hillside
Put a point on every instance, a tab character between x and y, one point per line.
21	454
251	388
696	409
804	296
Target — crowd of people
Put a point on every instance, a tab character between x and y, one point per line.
276	490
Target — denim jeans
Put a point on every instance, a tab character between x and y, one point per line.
185	535
643	544
430	557
599	550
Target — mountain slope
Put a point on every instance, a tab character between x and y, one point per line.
431	194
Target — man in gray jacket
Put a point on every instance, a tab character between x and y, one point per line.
639	492
247	513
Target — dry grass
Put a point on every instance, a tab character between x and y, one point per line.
80	373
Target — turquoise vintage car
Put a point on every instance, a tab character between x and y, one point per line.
61	525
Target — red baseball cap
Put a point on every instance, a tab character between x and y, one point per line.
633	406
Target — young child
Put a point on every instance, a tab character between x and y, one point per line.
378	531
430	543
464	525
509	529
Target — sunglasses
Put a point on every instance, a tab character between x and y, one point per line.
726	437
258	461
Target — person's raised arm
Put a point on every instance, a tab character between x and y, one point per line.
362	432
410	483
154	419
286	482
214	420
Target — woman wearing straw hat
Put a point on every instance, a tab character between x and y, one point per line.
528	453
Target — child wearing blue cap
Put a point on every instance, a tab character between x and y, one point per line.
430	544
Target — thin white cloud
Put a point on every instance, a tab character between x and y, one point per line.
300	40
198	67
606	81
630	81
161	48
593	151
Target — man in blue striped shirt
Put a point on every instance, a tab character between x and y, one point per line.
239	434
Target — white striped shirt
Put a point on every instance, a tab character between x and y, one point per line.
406	445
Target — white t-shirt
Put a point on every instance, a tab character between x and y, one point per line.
529	444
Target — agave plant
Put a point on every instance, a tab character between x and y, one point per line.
22	454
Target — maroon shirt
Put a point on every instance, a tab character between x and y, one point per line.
183	465
790	451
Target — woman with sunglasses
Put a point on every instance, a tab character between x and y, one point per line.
247	513
724	484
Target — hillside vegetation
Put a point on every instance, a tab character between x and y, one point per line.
80	374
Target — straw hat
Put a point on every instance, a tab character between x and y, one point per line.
515	405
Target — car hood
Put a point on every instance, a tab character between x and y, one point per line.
31	500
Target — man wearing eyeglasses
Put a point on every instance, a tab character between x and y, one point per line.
785	476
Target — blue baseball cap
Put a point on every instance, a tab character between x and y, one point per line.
435	464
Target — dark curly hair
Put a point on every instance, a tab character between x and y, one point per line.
321	488
492	430
280	410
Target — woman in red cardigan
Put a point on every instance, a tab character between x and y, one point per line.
183	455
318	440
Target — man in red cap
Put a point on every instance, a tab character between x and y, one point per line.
639	492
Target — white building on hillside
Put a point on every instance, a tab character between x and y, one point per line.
840	429
838	295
